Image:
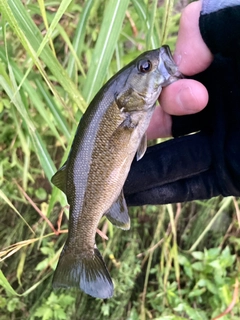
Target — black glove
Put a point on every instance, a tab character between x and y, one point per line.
207	163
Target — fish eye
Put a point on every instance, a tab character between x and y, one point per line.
144	66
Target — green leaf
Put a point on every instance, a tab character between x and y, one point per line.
6	285
57	114
106	43
212	287
198	255
31	38
212	253
142	10
78	39
166	19
7	200
199	266
196	292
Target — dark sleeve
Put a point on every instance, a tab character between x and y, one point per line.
221	32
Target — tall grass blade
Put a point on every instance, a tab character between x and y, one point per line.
60	12
225	204
58	117
168	6
110	29
35	97
41	151
6	285
5	199
150	35
45	20
68	42
142	10
78	39
30	36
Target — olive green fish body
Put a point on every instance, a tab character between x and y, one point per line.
110	133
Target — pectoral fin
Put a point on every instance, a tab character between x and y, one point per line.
59	178
142	147
118	213
122	134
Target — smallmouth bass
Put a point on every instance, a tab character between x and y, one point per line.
110	133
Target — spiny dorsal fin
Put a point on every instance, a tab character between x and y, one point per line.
118	213
142	147
59	178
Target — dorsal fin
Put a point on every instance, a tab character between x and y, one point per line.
59	178
118	213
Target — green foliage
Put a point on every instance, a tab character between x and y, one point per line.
55	307
173	263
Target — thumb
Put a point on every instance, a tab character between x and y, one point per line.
192	54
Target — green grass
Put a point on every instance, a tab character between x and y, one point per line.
176	262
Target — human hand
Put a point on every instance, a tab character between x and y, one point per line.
207	163
185	96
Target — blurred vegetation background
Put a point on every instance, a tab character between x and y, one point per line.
177	261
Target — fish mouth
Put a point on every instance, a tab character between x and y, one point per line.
167	66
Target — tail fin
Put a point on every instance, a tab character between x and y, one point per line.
88	273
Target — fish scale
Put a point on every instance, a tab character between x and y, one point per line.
109	134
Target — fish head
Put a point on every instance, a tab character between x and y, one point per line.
167	67
145	77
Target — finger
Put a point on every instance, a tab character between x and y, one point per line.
184	96
160	125
192	54
200	187
180	98
169	162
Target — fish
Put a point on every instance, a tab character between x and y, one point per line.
109	135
